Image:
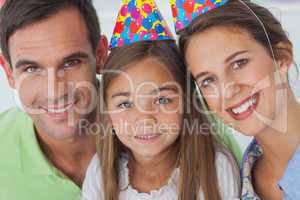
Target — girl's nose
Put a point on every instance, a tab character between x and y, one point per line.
146	123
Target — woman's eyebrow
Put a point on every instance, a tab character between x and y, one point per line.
200	75
234	55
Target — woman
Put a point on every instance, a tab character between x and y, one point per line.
239	55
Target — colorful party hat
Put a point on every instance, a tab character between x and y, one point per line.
139	20
185	11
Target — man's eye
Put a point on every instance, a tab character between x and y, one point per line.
239	64
206	82
125	105
71	63
32	69
163	100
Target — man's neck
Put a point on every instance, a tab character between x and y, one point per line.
70	156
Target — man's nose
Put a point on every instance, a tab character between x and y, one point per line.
56	84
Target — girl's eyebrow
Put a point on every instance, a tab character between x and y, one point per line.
234	55
164	88
126	94
157	90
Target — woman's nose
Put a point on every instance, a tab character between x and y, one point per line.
231	89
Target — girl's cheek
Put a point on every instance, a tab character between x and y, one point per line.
123	123
171	123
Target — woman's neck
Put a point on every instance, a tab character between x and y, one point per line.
280	143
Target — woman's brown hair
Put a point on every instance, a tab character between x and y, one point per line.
256	20
195	150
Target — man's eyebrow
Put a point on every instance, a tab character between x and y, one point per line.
126	94
164	88
234	55
76	55
24	62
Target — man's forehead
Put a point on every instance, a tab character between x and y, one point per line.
65	28
61	34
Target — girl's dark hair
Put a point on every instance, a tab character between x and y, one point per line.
195	150
256	20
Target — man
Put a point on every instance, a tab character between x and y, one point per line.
51	52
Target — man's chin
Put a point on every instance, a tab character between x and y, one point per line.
56	131
62	133
61	130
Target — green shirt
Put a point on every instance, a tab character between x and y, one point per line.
25	173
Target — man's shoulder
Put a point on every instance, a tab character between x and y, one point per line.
12	122
11	114
13	119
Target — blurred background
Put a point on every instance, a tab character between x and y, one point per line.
287	11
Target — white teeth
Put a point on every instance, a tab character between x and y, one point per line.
60	110
145	137
244	106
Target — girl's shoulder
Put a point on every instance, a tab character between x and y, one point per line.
228	174
92	185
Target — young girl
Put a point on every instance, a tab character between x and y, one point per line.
239	55
152	146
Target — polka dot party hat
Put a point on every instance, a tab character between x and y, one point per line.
185	11
139	20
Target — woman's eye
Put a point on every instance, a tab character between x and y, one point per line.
239	64
206	82
125	105
163	100
71	63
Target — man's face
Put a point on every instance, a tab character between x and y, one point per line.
54	71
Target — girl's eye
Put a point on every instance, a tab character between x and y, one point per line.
239	64
206	82
163	100
125	105
71	63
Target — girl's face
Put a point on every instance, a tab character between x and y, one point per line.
236	77
145	107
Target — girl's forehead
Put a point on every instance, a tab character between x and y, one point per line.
148	71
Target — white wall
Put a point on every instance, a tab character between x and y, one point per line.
289	15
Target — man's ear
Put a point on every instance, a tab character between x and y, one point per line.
284	52
8	70
101	53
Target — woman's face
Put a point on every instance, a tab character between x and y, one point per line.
236	76
145	108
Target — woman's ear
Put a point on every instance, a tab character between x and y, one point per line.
8	71
284	54
101	53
